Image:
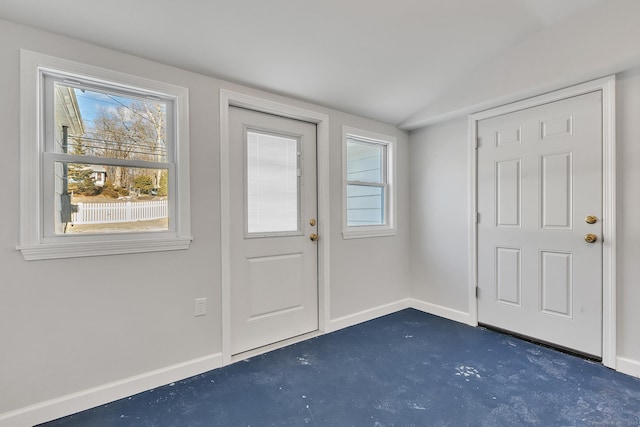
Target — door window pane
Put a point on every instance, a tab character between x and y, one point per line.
272	183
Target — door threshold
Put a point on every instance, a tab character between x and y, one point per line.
274	346
566	350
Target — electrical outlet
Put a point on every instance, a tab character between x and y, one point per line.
200	307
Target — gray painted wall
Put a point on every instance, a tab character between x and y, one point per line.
70	325
440	232
439	215
595	43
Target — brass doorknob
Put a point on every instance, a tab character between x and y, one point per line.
591	219
590	238
313	237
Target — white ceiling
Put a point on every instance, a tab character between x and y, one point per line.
380	59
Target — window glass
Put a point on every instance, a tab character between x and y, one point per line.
365	205
365	161
366	182
90	204
272	183
107	124
115	197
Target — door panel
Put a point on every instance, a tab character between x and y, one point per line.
539	176
508	193
556	280
274	286
508	276
557	191
282	272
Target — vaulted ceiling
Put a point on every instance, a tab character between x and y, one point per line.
381	59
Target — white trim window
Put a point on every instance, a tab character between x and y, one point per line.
368	178
104	161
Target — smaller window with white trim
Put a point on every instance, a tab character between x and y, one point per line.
368	183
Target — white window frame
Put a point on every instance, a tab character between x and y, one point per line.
389	226
36	240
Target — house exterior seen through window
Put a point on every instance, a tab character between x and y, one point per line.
368	177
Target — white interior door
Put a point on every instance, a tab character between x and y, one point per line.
274	279
539	178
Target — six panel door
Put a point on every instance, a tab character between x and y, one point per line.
539	178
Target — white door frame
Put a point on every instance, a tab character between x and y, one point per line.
607	86
234	99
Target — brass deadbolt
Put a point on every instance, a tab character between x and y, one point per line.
590	238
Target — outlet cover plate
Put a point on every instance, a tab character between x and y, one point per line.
200	307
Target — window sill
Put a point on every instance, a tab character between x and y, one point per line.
368	232
97	248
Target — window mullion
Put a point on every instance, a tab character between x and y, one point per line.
104	161
367	183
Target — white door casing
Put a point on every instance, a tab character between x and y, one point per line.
274	292
539	176
228	99
607	87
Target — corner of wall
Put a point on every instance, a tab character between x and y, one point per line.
441	311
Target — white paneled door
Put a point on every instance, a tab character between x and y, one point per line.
274	279
540	222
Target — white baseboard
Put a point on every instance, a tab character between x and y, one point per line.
366	315
80	401
441	311
628	366
383	310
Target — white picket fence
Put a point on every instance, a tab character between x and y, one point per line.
102	213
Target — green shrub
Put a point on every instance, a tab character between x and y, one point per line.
144	183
